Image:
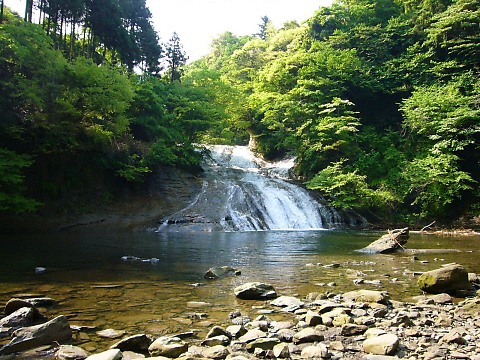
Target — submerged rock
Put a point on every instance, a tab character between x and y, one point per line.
388	243
448	279
221	271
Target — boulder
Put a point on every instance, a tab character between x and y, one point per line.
252	335
255	291
136	343
308	335
281	351
110	333
287	301
318	351
262	343
55	330
70	352
216	352
216	340
170	347
216	331
385	344
112	354
447	279
369	296
22	317
235	331
389	243
221	271
14	304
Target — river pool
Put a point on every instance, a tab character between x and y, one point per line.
94	286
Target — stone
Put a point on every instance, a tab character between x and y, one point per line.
170	347
43	302
252	335
281	351
216	331
372	332
389	243
454	336
285	335
255	291
221	271
14	304
135	343
307	335
216	340
447	279
235	331
318	351
22	317
369	296
70	352
385	344
442	298
313	319
110	333
287	301
130	355
112	354
216	352
352	329
30	337
262	343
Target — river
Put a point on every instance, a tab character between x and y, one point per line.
94	286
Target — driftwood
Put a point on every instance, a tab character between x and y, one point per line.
393	241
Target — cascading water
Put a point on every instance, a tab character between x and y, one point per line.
244	193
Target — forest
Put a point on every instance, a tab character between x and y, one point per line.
379	101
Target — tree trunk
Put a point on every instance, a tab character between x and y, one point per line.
1	13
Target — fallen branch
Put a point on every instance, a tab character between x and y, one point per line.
426	227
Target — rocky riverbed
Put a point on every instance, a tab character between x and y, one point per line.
360	324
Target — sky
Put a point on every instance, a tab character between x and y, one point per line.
198	22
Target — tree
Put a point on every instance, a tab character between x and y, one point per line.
12	185
175	57
1	12
265	28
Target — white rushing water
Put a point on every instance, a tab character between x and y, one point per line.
242	192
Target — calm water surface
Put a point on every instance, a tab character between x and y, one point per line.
85	273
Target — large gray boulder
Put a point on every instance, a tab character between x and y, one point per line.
389	243
55	330
255	291
448	279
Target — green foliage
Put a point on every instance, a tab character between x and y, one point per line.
12	183
435	182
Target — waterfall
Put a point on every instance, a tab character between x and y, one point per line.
242	192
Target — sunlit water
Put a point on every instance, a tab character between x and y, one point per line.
85	273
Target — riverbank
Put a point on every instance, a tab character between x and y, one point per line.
360	324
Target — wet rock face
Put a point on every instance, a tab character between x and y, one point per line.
448	279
